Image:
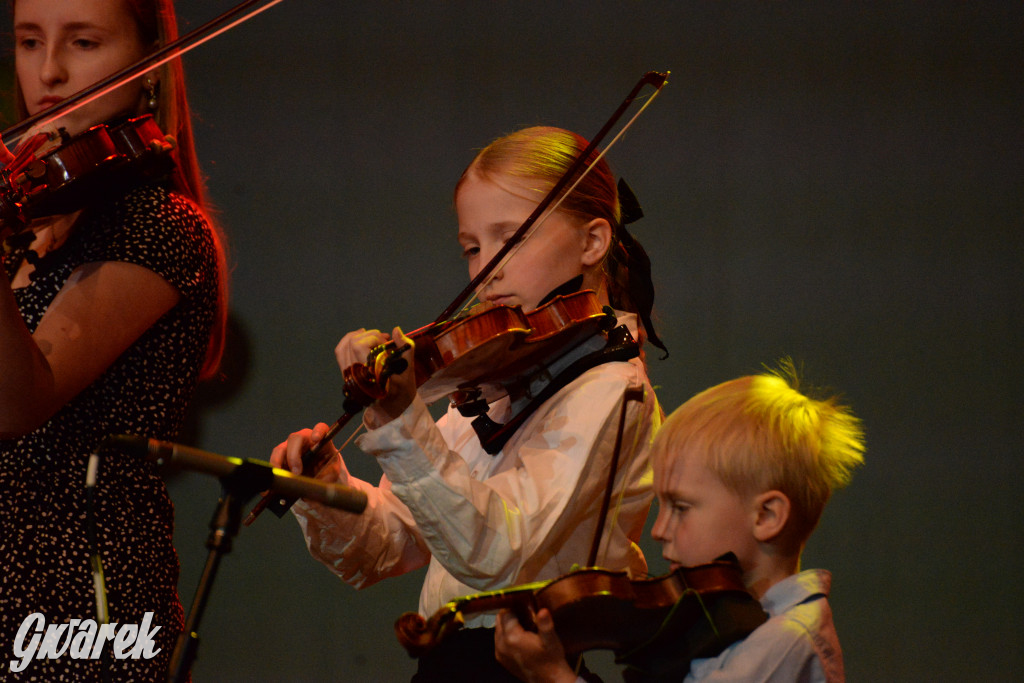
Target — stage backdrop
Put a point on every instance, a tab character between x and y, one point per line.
836	182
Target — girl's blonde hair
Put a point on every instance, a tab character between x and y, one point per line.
541	155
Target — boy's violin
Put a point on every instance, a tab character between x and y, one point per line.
655	626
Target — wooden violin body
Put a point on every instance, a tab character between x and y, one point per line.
654	626
483	352
102	159
486	351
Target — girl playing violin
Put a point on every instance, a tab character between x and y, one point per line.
109	315
530	511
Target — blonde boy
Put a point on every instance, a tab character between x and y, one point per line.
744	467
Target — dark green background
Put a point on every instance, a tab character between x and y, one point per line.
839	182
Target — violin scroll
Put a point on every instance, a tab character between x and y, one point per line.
368	382
419	636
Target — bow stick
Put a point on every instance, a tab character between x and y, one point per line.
653	78
175	48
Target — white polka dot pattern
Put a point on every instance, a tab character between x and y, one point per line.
44	562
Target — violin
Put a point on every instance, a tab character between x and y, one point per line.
654	626
473	360
105	159
480	353
103	156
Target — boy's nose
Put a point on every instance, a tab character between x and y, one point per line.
658	531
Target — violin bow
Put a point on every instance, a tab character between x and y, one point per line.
172	50
631	394
547	205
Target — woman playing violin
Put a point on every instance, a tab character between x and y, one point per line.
109	315
530	511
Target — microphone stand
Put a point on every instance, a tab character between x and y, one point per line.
237	489
240	481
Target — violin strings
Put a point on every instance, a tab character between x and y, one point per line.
351	436
554	206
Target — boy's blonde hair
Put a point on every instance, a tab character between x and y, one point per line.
760	433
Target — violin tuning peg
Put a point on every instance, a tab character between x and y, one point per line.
160	146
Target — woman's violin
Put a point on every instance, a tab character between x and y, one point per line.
654	626
103	159
105	155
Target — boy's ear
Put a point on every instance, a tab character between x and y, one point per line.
773	509
598	236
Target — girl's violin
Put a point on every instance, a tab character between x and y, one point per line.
655	626
481	354
102	159
478	357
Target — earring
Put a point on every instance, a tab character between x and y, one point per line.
150	88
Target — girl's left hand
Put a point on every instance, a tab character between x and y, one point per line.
401	387
532	657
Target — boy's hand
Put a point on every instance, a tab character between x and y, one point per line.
532	657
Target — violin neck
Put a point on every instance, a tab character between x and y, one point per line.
516	598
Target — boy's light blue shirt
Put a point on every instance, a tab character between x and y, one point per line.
797	643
